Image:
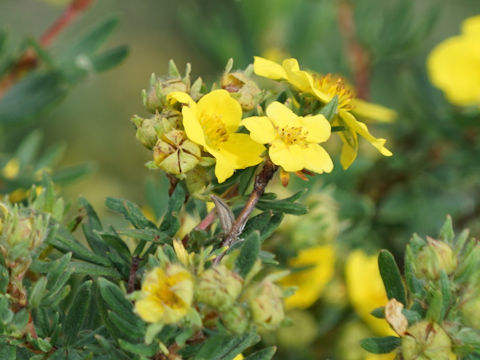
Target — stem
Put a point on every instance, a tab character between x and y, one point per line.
261	181
359	58
29	59
133	274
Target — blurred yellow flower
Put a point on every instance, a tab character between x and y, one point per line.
212	123
319	264
365	289
325	88
11	169
293	139
454	65
167	295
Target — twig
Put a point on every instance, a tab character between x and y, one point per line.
133	274
359	58
261	181
29	59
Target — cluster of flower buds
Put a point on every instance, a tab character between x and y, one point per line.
448	282
22	232
186	290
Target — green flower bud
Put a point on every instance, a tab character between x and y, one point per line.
265	300
219	287
175	154
426	341
146	133
242	88
433	258
235	319
470	310
155	99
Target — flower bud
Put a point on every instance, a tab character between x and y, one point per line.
242	88
175	154
219	287
433	258
235	319
301	333
426	341
470	310
155	99
266	304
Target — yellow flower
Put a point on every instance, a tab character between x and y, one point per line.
212	123
11	169
167	295
325	88
293	139
311	281
365	289
454	65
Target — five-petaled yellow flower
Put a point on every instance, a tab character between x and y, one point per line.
293	139
311	281
212	123
454	65
325	88
167	295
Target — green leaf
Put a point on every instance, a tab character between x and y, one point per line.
110	58
435	306
130	211
391	277
94	270
139	349
72	173
116	300
31	96
64	241
379	312
250	249
135	329
264	354
171	222
28	148
4	279
37	292
414	284
93	39
77	313
380	345
8	352
225	347
90	226
446	293
257	222
330	109
287	205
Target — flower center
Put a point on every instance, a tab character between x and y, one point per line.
293	135
167	297
336	85
214	129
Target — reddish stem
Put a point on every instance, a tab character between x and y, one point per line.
29	59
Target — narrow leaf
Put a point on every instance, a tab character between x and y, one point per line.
391	277
380	345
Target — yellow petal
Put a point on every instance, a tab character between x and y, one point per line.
365	289
471	26
453	67
242	151
181	97
373	111
298	78
261	129
280	115
219	104
349	148
318	128
362	130
149	309
268	69
223	166
288	157
192	126
317	159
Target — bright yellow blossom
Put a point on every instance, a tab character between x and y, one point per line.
293	139
212	123
365	289
454	65
310	282
325	88
167	295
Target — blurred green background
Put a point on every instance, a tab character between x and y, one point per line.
382	201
